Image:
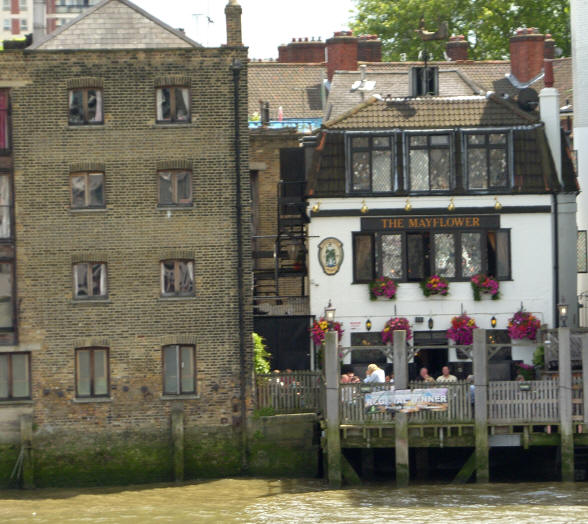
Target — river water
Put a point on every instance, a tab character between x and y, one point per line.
285	501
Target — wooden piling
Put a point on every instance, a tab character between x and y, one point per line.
480	364
332	376
565	405
26	442
401	423
177	423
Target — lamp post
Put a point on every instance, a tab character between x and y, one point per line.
330	314
563	313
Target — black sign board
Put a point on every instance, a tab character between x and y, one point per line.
403	223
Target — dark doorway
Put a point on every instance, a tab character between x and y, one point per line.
292	180
287	339
429	355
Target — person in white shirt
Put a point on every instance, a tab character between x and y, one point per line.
374	374
446	377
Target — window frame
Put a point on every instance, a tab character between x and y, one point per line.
177	262
11	396
179	391
86	121
585	247
395	182
450	147
92	394
354	235
174	183
417	90
86	175
89	276
172	106
509	151
5	121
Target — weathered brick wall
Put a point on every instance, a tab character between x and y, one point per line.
132	235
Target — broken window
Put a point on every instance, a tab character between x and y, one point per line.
87	190
89	280
175	188
177	278
15	381
85	106
179	373
92	372
173	104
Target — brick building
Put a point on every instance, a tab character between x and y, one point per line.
124	182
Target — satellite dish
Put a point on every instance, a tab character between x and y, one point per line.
528	99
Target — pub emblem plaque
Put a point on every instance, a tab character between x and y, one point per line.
330	254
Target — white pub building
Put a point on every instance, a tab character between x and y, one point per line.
454	187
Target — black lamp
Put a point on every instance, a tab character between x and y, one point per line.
493	322
431	324
368	324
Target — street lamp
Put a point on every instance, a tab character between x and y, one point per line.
330	314
563	313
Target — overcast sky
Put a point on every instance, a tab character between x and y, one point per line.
266	23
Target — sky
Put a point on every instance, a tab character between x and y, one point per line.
266	23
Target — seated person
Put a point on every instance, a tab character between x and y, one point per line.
446	376
374	374
424	375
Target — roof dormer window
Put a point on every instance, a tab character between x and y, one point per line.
424	81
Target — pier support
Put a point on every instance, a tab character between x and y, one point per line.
26	442
565	405
480	358
177	428
332	376
401	430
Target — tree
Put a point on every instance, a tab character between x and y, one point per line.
487	24
260	356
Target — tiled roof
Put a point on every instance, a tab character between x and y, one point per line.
294	87
115	24
431	113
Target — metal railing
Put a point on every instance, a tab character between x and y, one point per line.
295	392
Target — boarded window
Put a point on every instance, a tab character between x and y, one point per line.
85	106
177	278
179	371
175	188
173	104
89	280
87	190
92	372
15	380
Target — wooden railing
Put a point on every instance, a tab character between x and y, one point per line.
523	402
295	392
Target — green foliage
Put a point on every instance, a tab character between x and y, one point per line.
539	357
267	411
260	355
487	24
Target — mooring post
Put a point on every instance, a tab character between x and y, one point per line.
585	379
401	429
480	358
565	405
332	377
26	442
177	422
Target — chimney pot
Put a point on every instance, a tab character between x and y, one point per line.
526	54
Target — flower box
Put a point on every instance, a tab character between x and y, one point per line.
383	288
435	285
484	285
396	324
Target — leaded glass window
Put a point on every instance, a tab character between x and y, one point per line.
429	160
581	249
471	254
444	246
372	164
487	161
392	256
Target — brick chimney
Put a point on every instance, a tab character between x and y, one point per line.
549	49
302	50
457	48
233	16
342	50
526	54
369	49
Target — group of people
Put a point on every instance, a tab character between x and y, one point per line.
445	376
375	374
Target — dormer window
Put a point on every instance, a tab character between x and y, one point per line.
429	162
486	161
372	164
424	81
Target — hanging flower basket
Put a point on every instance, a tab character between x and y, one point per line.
319	330
383	287
435	285
523	325
482	283
462	330
394	324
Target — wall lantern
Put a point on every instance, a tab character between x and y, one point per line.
330	314
563	313
497	204
316	207
407	205
493	322
368	324
431	323
293	250
451	206
364	208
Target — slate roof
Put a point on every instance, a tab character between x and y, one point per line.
295	87
115	24
432	113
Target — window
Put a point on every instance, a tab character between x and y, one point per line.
372	164
424	81
175	188
173	104
6	25
23	5
92	372
177	278
6	297
412	256
429	165
24	25
179	371
5	229
89	280
486	161
87	190
15	376
85	106
6	7
4	144
582	249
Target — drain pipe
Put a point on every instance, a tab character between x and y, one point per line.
236	68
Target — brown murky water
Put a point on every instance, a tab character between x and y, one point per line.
254	500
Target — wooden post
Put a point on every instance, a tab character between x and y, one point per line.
565	405
26	441
585	379
177	422
332	376
401	430
480	358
